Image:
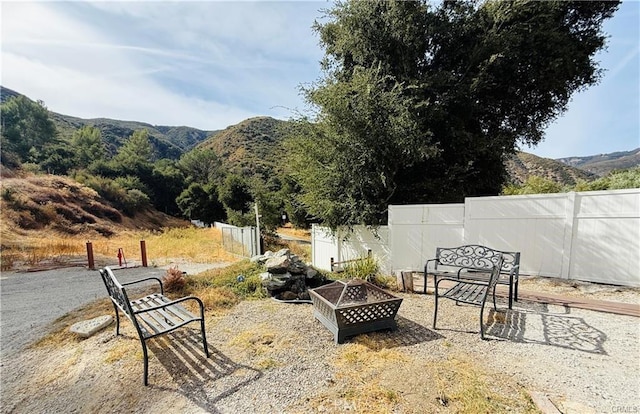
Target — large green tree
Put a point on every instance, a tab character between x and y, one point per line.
422	102
88	146
26	129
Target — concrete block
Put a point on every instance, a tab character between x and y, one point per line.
87	328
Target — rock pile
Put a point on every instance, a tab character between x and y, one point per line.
288	277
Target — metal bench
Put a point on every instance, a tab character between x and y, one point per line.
473	292
152	315
474	261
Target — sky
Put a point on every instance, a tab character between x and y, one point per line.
212	64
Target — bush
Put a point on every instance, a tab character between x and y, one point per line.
174	280
365	268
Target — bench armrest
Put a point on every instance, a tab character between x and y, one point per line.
144	280
174	302
426	264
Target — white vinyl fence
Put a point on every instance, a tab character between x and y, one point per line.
349	245
590	236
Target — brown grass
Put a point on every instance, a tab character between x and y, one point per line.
46	248
47	220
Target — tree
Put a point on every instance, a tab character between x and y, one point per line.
26	127
422	103
236	194
200	166
166	184
135	155
88	146
200	202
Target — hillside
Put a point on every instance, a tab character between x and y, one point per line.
601	164
59	205
524	165
250	147
167	141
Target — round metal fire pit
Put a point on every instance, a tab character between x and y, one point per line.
354	307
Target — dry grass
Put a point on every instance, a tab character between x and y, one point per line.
173	280
59	332
294	232
45	248
375	378
256	341
48	220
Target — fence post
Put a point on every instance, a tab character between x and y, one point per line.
569	234
143	252
90	261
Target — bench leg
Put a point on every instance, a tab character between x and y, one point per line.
146	363
495	307
117	319
481	319
511	293
435	310
204	338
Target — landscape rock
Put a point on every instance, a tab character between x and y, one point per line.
288	277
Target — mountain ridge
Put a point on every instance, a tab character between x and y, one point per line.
252	146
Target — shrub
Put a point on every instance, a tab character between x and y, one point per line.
365	268
174	280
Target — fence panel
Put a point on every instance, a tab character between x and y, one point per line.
416	230
242	241
324	246
533	225
606	238
346	245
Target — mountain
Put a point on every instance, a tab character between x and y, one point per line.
604	163
250	147
167	141
253	146
523	165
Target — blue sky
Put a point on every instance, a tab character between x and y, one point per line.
212	64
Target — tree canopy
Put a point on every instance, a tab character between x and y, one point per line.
422	103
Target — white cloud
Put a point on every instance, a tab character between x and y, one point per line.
163	63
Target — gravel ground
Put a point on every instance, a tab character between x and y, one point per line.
270	357
30	301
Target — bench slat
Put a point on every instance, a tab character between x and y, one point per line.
161	320
466	293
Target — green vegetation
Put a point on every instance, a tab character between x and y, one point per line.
422	103
418	103
615	180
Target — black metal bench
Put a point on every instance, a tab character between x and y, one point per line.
473	292
152	315
476	262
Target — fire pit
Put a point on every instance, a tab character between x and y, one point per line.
353	308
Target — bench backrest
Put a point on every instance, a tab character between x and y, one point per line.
476	256
117	293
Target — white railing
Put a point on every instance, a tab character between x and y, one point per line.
591	236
